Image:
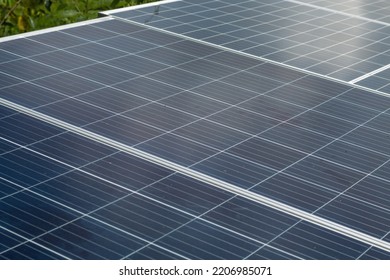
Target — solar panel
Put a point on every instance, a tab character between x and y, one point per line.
178	149
338	40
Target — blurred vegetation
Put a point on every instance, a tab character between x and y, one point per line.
17	16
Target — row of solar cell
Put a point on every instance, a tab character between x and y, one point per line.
108	230
333	44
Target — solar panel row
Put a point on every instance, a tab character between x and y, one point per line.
305	142
338	45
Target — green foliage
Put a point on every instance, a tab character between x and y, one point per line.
17	16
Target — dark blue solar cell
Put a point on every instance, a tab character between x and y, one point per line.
234	170
58	39
63	60
7	80
196	49
295	192
26	69
186	194
309	241
272	107
8	188
324	124
372	190
142	217
298	96
380	123
30	95
358	215
177	149
375	254
167	56
6	146
369	138
72	149
251	219
153	252
367	99
383	172
277	72
30	215
270	253
200	240
105	74
194	104
6	56
26	168
296	137
117	26
127	44
208	68
373	82
4	112
74	112
127	171
325	174
26	130
68	84
156	37
224	92
90	33
347	111
124	130
161	116
32	251
321	86
244	120
352	156
137	64
80	191
112	99
148	88
89	239
180	78
266	153
96	52
211	134
252	82
24	47
8	240
234	60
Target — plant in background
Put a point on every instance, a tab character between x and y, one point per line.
18	16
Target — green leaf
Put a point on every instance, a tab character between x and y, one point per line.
114	3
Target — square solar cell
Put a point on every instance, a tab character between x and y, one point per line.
112	99
74	112
266	153
177	149
324	173
161	116
30	95
26	69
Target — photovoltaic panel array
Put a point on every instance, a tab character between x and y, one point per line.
375	10
118	141
344	45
